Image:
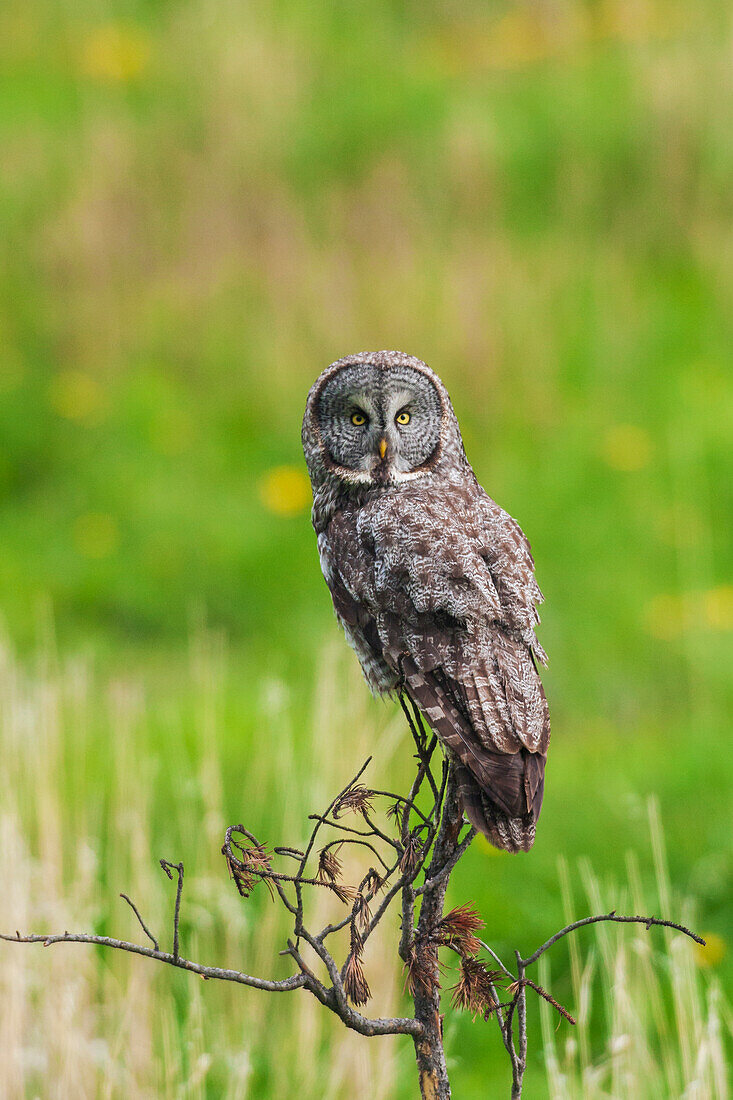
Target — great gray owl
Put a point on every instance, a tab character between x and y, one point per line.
431	580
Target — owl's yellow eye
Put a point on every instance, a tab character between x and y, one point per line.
358	419
403	417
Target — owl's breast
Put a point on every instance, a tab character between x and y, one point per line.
349	576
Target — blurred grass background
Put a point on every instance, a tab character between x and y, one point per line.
202	204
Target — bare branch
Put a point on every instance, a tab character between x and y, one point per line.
424	751
314	986
311	842
295	982
648	922
337	1002
333	971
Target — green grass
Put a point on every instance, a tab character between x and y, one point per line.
201	205
102	778
665	1031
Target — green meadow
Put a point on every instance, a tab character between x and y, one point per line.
202	205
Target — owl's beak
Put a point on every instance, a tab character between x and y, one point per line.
382	447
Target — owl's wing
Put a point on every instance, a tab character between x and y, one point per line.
340	553
441	588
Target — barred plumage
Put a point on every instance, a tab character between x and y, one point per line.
432	581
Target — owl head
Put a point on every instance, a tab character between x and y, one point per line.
377	419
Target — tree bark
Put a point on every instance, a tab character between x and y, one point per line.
434	1083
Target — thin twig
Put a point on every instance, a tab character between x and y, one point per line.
361	843
313	984
551	1000
417	730
497	960
311	842
178	868
340	825
141	922
376	831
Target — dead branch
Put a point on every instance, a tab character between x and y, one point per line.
210	972
648	922
412	856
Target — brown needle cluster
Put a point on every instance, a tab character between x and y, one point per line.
329	865
421	968
412	851
329	873
356	985
356	798
251	867
474	989
457	929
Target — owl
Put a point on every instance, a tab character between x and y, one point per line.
432	581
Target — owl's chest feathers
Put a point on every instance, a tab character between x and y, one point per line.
336	515
439	551
399	549
397	576
348	569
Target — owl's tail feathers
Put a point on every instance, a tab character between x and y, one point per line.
510	833
501	790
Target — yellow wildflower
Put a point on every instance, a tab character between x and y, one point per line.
285	490
718	607
712	953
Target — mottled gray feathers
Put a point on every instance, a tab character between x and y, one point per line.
434	585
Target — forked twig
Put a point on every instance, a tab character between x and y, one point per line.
415	854
169	868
